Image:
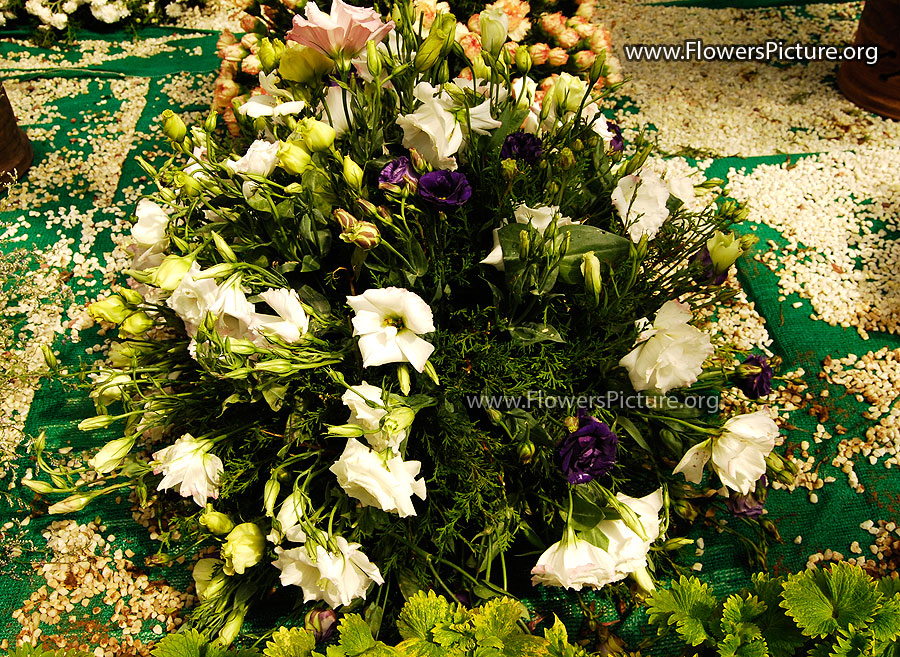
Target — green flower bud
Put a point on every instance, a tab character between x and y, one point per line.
526	451
39	486
675	544
685	509
346	431
303	64
494	27
480	70
244	548
133	297
373	59
270	495
216	522
432	373
109	388
275	366
748	242
232	628
210	124
137	324
724	250
223	248
524	245
207	580
353	174
268	57
173	126
72	503
170	272
598	68
111	309
403	378
429	52
397	419
590	269
111	454
293	157
96	422
509	168
317	135
187	184
294	188
49	357
523	60
566	159
363	234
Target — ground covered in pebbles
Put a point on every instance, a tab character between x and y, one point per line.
817	173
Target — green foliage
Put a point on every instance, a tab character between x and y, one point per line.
293	642
838	612
34	651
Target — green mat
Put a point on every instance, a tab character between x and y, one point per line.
95	105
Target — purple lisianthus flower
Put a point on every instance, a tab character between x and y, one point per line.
754	377
707	273
589	452
616	143
445	189
522	146
750	505
397	173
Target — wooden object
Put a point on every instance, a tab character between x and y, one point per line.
16	153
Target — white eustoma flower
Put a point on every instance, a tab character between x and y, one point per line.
292	321
338	577
480	120
189	468
641	202
574	563
150	228
370	418
234	314
389	322
386	483
738	453
338	113
681	187
289	516
540	218
432	129
260	159
192	299
266	105
244	548
670	354
627	549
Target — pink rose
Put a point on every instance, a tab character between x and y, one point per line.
557	57
568	38
539	53
342	33
584	59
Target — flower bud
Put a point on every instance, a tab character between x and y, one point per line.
170	272
523	60
346	431
39	486
480	70
270	495
243	549
111	454
373	59
207	581
137	323
420	164
643	580
598	67
364	234
675	544
685	509
317	135
216	522
275	366
770	527
398	419
724	250
403	378
72	503
526	451
187	184
294	188
432	373
111	309
557	57
173	126
268	57
321	622
303	64
232	628
345	219
293	157
96	422
524	245
494	27
353	174
49	357
590	269
748	242
566	159
429	52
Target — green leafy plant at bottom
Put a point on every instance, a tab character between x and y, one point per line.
834	612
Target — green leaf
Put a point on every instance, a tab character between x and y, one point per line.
851	644
688	605
743	637
28	650
294	642
356	637
585	514
532	333
608	247
558	641
183	644
632	430
421	614
885	626
822	602
496	625
889	586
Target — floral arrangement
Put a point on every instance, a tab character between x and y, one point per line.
424	332
55	19
569	43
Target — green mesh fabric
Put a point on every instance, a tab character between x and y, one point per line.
833	523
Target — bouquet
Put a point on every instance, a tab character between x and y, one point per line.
427	331
556	42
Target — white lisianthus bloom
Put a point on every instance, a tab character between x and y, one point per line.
738	453
111	455
189	468
540	218
681	187
641	202
386	483
244	548
336	114
292	321
389	322
670	354
205	579
574	563
627	549
432	129
150	228
289	516
338	577
192	299
234	314
480	120
109	386
260	160
266	105
370	418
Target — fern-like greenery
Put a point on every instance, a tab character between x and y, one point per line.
834	612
